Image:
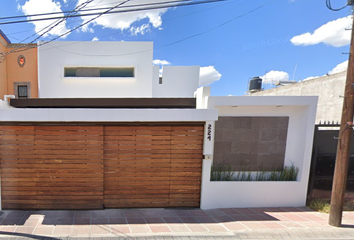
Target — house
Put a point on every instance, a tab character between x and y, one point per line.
106	131
18	69
330	92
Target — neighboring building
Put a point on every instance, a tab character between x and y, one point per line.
329	89
107	132
18	70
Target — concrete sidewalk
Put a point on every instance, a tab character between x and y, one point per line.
235	223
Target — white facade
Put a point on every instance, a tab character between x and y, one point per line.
176	82
300	110
54	57
302	113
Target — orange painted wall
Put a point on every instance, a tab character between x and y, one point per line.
3	79
27	73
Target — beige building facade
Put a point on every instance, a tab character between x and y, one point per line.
329	89
18	70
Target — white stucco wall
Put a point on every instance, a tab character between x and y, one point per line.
106	115
54	56
177	81
301	112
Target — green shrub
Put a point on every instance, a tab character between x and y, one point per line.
319	204
221	173
225	173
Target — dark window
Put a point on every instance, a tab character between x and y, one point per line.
117	72
22	91
98	72
160	80
70	72
87	72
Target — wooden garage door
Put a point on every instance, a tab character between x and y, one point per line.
152	166
91	167
51	167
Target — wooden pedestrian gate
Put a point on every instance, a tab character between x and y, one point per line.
93	167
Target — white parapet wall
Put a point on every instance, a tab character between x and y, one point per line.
301	112
250	194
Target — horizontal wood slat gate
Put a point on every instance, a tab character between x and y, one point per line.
51	167
91	167
152	166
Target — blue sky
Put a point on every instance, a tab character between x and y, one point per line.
232	41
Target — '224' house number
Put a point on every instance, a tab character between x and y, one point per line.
209	132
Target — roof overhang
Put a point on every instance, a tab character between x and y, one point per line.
104	103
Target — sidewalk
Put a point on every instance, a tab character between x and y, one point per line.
240	223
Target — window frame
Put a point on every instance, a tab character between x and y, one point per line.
68	72
17	84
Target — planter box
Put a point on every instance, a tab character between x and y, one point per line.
242	194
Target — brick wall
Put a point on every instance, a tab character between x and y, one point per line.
250	143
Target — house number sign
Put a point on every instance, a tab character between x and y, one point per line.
209	132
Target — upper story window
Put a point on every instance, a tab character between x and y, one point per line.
98	72
22	89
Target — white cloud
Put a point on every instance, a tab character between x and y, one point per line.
274	76
140	30
208	75
309	78
88	29
160	62
339	68
123	21
332	33
95	39
44	6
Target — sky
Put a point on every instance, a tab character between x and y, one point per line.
232	41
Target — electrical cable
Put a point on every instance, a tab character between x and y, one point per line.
49	28
329	6
168	5
169	44
108	11
83	10
203	10
83	24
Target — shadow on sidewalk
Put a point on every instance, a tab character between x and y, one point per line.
30	236
150	216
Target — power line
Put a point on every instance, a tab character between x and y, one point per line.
54	13
83	24
14	33
329	5
166	45
108	11
203	10
164	5
106	35
75	10
169	44
49	27
3	55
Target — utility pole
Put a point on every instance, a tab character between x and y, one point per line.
344	139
